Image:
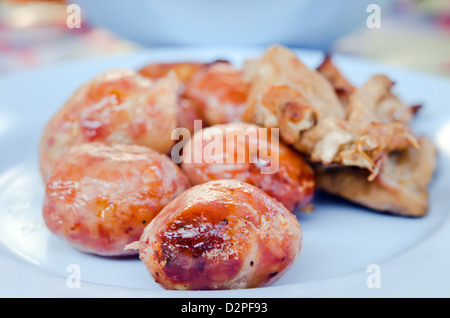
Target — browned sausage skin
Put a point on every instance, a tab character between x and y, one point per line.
117	106
220	92
100	197
223	234
291	180
214	92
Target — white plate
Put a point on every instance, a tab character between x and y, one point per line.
340	239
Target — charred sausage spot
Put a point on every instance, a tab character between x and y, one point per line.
196	244
252	263
194	237
200	266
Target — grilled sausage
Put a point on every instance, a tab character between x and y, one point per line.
223	234
242	151
116	106
100	197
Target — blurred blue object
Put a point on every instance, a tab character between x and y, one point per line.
296	23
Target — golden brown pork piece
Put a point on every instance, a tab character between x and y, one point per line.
400	187
358	138
288	95
117	106
303	103
377	91
341	85
375	116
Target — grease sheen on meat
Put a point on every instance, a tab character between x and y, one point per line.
118	106
100	197
220	91
188	109
223	234
243	151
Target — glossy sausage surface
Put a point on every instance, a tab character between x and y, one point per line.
116	106
224	234
100	197
290	179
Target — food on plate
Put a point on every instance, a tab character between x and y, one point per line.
273	132
335	124
400	187
250	153
393	108
223	234
116	106
220	91
302	102
285	93
100	197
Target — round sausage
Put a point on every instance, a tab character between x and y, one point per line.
118	106
100	197
251	154
223	234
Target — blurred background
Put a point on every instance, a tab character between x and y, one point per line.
407	33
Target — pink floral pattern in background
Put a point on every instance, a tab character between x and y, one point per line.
36	33
416	34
